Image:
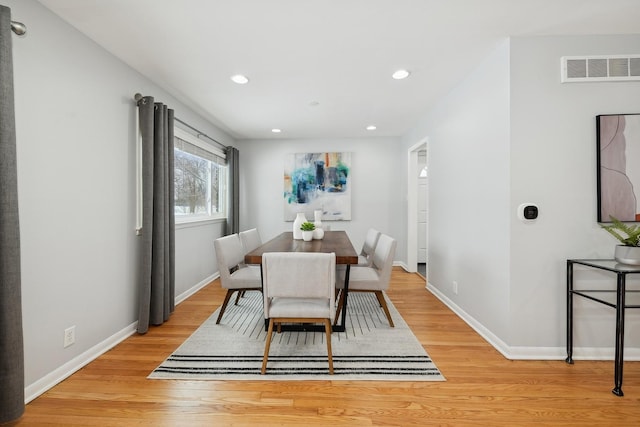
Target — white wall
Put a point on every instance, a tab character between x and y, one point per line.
76	178
536	143
553	163
468	156
376	176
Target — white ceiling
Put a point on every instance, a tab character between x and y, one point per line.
337	53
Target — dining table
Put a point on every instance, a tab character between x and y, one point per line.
333	242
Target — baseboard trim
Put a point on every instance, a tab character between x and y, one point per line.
186	294
45	383
485	333
401	264
48	381
532	353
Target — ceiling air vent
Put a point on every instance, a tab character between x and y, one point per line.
600	68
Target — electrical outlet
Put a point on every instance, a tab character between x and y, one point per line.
455	287
69	336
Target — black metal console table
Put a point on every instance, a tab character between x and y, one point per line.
609	297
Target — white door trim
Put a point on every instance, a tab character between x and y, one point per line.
412	205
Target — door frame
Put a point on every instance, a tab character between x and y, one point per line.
412	204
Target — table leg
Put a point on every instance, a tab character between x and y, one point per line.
617	390
342	326
569	358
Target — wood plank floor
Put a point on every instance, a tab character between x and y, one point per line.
482	388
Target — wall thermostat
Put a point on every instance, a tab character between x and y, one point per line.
527	212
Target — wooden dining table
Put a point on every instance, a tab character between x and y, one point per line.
333	241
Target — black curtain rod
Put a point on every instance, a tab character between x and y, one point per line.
200	133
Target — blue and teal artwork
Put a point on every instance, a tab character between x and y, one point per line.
318	181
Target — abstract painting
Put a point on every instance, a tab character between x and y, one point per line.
318	181
618	167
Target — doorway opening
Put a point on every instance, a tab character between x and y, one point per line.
417	209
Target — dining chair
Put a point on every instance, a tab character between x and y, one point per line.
234	274
374	278
250	239
299	287
369	247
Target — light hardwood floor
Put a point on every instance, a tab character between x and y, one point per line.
482	387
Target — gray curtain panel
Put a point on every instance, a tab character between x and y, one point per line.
11	343
233	217
157	267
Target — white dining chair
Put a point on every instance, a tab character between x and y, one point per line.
250	239
371	279
369	247
235	276
299	287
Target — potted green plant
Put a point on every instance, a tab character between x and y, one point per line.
307	230
628	252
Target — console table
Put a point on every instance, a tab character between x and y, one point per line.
615	298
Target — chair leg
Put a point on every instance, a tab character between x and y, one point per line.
239	295
227	297
266	348
383	304
339	309
328	329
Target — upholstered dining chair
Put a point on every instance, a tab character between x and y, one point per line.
368	248
234	274
299	287
250	239
371	279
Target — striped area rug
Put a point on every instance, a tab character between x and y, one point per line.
369	349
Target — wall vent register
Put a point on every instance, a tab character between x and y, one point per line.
600	68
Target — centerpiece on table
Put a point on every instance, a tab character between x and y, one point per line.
307	231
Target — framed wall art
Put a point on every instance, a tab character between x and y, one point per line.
315	181
618	162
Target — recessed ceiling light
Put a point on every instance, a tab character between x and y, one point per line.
240	79
371	127
400	74
276	130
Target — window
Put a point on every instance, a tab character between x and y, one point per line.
200	179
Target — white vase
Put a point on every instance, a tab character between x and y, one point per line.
318	233
300	218
307	236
